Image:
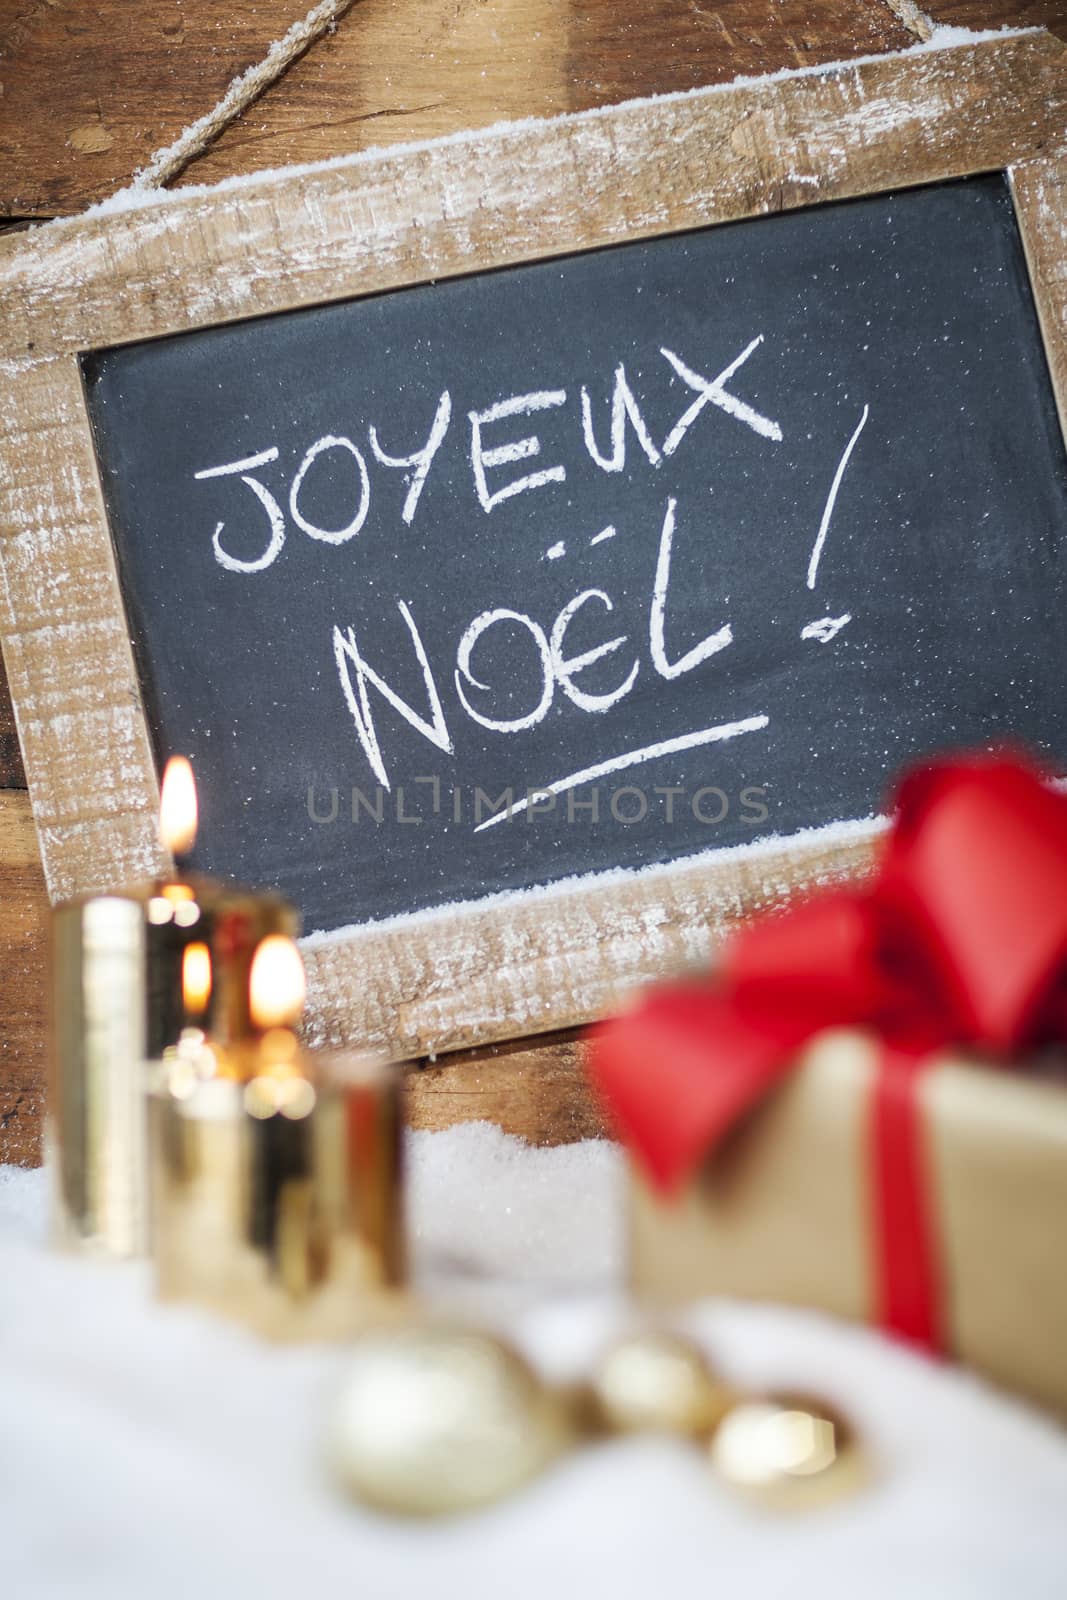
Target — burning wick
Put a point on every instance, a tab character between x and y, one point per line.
196	978
178	807
276	984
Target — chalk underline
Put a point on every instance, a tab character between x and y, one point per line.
632	758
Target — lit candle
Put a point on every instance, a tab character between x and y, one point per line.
278	1183
131	972
191	908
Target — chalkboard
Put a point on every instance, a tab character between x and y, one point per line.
680	544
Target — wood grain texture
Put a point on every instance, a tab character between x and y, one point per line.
91	90
396	72
1040	192
1050	14
23	962
66	643
539	1093
88	97
488	972
525	191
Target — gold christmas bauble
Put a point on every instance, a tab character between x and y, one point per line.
788	1451
431	1421
656	1382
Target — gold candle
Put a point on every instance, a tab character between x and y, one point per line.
192	908
118	1000
95	1133
278	1177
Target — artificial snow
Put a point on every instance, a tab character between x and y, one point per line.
150	1452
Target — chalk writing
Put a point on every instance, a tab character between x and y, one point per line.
539	657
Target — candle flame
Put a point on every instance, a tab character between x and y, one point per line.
276	983
178	807
196	977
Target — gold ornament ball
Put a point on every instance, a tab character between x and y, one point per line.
656	1382
433	1421
788	1452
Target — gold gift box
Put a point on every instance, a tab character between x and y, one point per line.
783	1210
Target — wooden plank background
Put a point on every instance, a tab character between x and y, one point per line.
89	89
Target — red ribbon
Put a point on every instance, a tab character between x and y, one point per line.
959	939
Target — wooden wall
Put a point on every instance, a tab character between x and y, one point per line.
89	89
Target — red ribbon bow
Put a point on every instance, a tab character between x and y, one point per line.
959	939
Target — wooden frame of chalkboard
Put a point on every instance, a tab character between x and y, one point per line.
518	193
